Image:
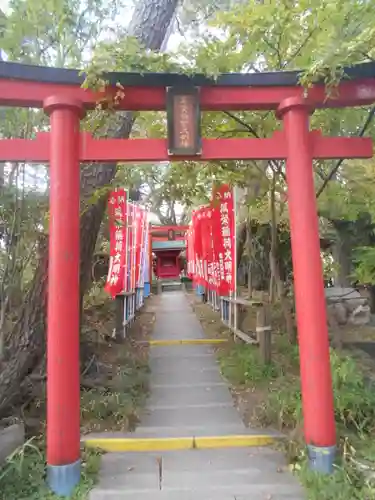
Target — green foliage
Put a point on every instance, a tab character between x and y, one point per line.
56	32
350	194
354	400
52	33
364	270
354	397
117	406
23	476
346	482
102	410
317	37
242	365
126	54
257	36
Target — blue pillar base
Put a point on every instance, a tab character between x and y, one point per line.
199	290
147	289
62	479
321	459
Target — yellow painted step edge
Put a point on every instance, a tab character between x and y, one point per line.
168	444
238	441
155	343
140	444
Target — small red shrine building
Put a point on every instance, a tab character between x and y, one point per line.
167	243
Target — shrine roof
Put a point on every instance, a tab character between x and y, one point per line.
64	76
168	245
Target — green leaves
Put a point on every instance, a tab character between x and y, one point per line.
316	36
364	259
126	55
56	32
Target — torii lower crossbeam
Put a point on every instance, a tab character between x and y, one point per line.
148	150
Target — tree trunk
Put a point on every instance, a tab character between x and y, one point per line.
277	288
342	256
249	246
240	243
26	348
274	288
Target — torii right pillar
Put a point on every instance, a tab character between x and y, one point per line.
316	379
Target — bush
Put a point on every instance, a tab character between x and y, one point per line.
354	398
116	407
283	406
23	476
242	365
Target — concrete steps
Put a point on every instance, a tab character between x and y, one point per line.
220	474
192	443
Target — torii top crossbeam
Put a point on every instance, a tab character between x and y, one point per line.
30	86
254	91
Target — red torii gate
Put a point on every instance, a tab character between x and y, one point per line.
59	92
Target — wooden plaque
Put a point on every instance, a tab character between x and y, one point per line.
183	118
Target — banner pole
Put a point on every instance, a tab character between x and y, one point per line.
235	255
126	268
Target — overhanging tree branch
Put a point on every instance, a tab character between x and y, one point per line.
339	163
274	164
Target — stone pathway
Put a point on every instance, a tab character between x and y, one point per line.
189	399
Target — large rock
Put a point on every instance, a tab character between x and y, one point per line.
348	296
338	313
347	306
360	316
11	438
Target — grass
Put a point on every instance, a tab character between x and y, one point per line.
241	365
114	408
354	476
117	407
23	475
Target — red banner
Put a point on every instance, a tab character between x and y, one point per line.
140	232
211	244
212	266
118	241
190	255
223	236
198	246
132	247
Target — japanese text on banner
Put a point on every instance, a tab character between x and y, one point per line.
140	226
223	239
117	205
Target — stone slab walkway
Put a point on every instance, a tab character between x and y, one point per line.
189	398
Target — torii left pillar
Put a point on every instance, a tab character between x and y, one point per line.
63	374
